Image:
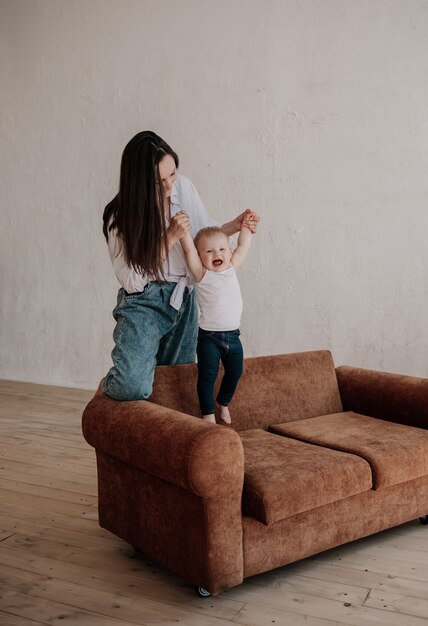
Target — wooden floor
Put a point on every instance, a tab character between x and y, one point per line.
58	567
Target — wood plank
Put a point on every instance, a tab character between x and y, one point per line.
46	519
54	464
98	595
4	534
398	603
259	615
40	453
53	482
54	440
149	578
108	604
296	583
382	565
36	390
54	613
40	415
392	550
45	470
120	556
26	528
82	456
54	559
26	489
6	619
413	536
415	548
44	503
339	574
285	601
346	612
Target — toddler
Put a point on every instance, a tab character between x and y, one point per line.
213	266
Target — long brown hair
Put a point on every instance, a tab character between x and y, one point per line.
137	211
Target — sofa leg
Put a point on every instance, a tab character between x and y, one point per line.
424	520
203	593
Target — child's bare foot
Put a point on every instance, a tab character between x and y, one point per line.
224	414
209	418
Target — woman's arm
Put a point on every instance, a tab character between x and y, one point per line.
250	218
191	201
129	279
193	261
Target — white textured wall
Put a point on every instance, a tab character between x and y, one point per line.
313	112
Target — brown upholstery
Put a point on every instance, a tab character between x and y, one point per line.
173	486
284	477
181	449
198	538
273	389
396	453
392	397
300	536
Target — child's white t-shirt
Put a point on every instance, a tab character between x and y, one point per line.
220	300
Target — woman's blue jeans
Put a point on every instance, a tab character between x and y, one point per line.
149	332
213	347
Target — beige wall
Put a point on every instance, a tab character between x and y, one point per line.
313	112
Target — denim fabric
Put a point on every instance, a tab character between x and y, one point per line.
149	332
213	347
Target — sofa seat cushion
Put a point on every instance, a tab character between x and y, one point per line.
284	477
396	453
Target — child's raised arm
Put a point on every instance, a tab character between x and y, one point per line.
241	250
193	261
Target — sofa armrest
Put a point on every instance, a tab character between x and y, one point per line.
203	458
392	397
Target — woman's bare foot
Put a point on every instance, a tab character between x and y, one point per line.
209	418
224	414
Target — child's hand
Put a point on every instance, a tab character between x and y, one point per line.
250	220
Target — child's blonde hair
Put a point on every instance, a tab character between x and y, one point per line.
206	232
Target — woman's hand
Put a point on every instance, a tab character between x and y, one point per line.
251	221
178	227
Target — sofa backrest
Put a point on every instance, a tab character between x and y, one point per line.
273	389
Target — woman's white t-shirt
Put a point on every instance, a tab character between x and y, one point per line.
184	196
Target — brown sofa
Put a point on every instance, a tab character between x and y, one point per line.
318	457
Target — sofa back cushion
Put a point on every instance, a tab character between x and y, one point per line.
272	390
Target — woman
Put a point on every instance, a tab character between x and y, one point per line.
156	312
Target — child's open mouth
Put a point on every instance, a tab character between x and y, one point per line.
217	262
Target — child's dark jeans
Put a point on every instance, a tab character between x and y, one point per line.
213	347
